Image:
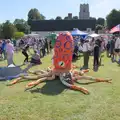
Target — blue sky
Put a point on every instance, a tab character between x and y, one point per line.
11	9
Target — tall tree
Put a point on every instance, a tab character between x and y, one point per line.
113	18
58	18
34	14
22	26
100	21
8	30
75	17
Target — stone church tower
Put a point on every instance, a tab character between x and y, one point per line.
84	11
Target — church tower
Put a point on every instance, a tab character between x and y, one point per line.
84	11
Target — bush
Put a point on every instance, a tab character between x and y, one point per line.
18	35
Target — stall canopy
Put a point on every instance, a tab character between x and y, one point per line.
94	35
115	29
77	32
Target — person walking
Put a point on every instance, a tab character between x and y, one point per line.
24	52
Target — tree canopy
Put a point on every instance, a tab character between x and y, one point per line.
75	18
101	21
34	14
98	27
22	26
66	18
8	30
58	18
113	18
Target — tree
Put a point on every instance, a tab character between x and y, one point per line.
66	18
75	18
58	18
34	14
92	18
51	19
22	26
1	34
8	30
113	18
98	27
18	35
100	21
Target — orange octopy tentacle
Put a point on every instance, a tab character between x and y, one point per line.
36	82
85	91
103	80
85	71
15	81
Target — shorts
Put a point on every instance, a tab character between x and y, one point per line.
117	50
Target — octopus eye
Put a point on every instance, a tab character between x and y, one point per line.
61	63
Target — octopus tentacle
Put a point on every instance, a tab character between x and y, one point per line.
35	83
74	87
15	81
92	79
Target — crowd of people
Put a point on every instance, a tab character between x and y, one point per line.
42	47
96	47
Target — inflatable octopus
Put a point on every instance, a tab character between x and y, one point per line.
62	67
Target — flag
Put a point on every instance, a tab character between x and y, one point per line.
115	29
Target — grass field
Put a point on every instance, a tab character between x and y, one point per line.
53	101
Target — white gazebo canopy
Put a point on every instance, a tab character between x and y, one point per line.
94	35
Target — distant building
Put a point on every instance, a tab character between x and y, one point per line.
70	16
84	11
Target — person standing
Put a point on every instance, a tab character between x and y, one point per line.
96	55
112	47
9	52
117	48
86	53
3	49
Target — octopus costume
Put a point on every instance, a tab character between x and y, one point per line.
62	67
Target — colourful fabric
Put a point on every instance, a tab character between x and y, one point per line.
63	51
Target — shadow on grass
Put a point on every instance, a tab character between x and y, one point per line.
50	88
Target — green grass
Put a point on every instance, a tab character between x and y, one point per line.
52	101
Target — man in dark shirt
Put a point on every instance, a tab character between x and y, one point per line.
96	54
24	52
112	47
